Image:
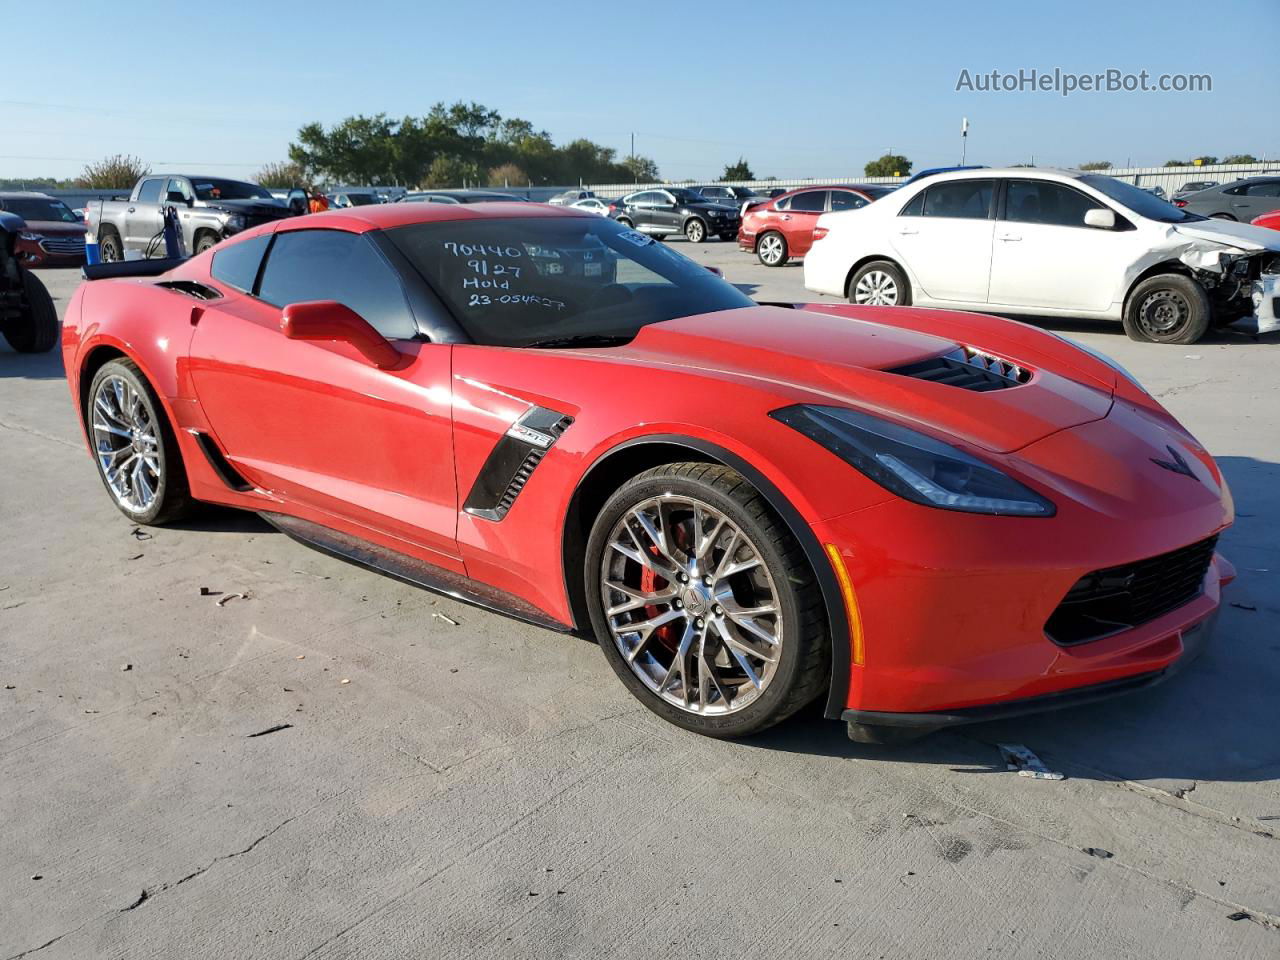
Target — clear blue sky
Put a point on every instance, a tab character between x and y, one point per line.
799	89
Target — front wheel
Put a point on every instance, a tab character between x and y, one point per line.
1167	308
205	241
703	602
880	284
134	447
695	231
626	223
35	330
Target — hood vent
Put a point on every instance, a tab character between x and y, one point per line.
967	369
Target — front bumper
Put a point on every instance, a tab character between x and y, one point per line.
1193	640
51	252
1265	293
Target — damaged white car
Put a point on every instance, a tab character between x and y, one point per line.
1051	243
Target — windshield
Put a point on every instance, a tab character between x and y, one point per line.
1138	200
875	193
513	282
361	199
208	189
38	208
686	196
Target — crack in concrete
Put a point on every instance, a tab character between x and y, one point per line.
31	431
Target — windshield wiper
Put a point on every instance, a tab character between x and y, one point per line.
583	340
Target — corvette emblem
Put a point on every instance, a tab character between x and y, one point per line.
1178	465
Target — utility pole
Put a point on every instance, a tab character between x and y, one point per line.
633	146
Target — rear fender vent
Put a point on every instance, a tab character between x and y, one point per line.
191	288
967	369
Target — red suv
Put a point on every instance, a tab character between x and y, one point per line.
783	228
54	236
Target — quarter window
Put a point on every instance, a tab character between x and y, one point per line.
812	201
334	265
959	199
1271	188
915	208
1039	201
237	263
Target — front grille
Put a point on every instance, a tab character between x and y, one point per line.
1109	601
967	369
63	245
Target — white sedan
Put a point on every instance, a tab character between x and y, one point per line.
591	205
1053	243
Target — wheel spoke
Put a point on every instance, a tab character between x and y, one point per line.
679	669
740	653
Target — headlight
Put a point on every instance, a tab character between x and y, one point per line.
914	466
32	237
235	221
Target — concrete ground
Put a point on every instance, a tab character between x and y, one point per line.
473	787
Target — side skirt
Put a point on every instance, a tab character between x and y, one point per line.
410	570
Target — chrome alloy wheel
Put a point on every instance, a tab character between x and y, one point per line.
771	249
125	442
691	605
876	288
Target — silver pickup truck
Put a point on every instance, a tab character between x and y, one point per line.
209	209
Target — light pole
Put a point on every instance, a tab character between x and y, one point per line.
964	139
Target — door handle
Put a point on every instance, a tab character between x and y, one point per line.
131	209
907	232
786	216
1009	237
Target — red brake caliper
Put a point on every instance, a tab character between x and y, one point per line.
665	634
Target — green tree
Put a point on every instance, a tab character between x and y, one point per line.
1241	158
890	165
447	170
507	175
286	174
640	169
120	170
1096	165
738	171
1177	163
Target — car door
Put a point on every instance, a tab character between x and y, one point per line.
944	236
142	220
1259	197
314	422
639	209
799	219
1044	256
665	215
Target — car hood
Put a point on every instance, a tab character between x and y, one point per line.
842	360
56	228
1242	235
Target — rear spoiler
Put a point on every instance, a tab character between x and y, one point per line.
131	268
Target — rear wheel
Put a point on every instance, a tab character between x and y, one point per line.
703	602
134	447
1167	308
880	284
695	231
771	249
36	329
110	248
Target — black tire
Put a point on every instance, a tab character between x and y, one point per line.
1223	216
173	493
110	246
695	230
658	236
626	223
768	253
881	268
36	329
1167	308
205	240
804	662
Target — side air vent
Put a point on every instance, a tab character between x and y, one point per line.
967	369
191	288
513	460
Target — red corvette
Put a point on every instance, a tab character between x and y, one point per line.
926	518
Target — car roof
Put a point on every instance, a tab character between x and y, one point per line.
20	194
385	216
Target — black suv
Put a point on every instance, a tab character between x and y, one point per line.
736	197
28	319
665	210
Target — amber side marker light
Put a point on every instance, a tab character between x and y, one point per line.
850	601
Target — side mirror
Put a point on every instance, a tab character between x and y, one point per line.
1102	218
330	320
716	270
